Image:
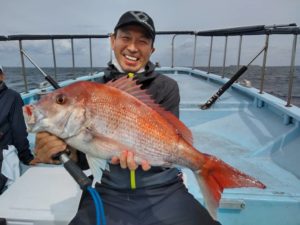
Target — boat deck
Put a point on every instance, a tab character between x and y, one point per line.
252	132
251	137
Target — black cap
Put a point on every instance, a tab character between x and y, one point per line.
137	17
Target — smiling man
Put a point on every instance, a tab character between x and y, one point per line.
153	195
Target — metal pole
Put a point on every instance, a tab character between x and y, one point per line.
263	70
292	71
224	58
54	59
73	57
210	53
111	51
23	66
240	50
91	55
195	47
173	50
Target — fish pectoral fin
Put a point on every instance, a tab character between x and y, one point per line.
97	166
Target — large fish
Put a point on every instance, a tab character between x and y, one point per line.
102	120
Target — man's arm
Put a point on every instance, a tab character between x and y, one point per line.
19	133
166	94
172	99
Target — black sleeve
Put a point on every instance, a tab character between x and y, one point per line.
172	99
18	128
165	91
82	161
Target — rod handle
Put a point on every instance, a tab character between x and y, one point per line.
82	180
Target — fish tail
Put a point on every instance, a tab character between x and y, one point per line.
215	175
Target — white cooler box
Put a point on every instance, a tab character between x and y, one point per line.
44	195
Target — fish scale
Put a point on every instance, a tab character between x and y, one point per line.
133	123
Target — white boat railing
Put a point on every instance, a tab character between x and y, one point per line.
284	29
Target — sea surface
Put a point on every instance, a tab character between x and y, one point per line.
276	78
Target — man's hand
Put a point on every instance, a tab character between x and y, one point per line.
46	146
126	160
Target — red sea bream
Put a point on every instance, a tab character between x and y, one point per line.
102	120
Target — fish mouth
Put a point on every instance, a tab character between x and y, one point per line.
32	116
36	120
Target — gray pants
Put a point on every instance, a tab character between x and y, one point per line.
167	205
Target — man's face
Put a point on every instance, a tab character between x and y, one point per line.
132	47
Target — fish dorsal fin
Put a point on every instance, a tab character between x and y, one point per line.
130	86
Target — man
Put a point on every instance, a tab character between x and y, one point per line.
160	196
12	126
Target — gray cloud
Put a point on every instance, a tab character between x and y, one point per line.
99	17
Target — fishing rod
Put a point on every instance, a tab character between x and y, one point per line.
73	169
228	84
70	166
47	77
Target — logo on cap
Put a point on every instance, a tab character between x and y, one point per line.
142	17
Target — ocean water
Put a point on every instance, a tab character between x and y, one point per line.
15	80
276	78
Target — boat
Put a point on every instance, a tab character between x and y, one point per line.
246	127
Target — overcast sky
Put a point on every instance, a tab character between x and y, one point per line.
100	16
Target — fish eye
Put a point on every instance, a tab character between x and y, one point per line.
61	99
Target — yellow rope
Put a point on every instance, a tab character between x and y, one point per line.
132	172
131	75
132	179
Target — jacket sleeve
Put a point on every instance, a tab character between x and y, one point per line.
18	129
171	97
173	100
